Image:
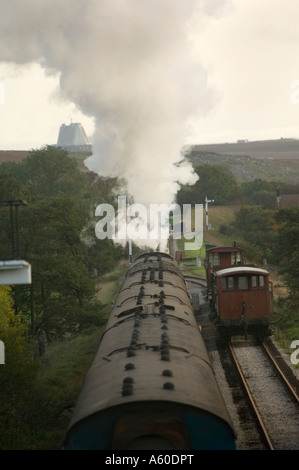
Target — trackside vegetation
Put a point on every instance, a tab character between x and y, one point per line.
56	236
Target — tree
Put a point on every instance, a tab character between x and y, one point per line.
18	351
61	283
18	372
248	188
286	226
60	206
254	225
214	181
49	171
263	198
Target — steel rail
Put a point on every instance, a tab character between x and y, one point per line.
281	373
253	404
195	280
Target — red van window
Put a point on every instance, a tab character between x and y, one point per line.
243	283
236	257
214	259
262	282
227	283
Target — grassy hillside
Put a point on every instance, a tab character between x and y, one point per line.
247	168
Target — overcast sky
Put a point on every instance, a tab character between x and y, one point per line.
249	50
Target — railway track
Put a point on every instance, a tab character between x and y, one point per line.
196	280
273	399
258	417
286	375
277	409
247	432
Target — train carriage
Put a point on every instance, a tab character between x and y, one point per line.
219	257
151	384
242	300
240	295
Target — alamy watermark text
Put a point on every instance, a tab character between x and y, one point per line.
138	222
295	354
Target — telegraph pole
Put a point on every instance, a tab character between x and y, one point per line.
14	224
14	270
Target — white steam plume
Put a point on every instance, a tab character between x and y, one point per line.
127	63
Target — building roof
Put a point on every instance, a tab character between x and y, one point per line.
223	249
240	270
72	135
289	200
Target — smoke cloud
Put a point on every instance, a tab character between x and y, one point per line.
127	63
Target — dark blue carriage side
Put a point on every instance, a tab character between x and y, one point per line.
191	429
151	384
